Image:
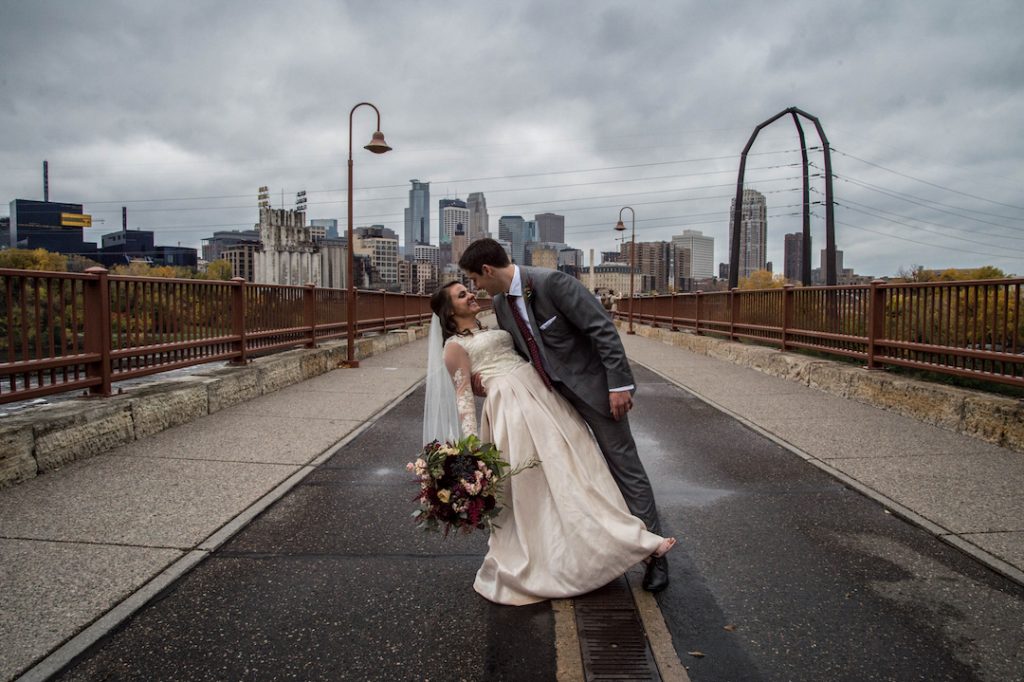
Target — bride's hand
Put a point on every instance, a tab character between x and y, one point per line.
478	386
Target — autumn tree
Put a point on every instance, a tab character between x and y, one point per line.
761	279
219	269
32	259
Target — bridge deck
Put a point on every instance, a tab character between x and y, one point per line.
332	580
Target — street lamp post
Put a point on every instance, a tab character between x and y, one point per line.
377	146
632	259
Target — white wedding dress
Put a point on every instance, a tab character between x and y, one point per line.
564	529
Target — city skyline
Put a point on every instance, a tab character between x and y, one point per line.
922	121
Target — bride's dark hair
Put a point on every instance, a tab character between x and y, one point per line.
441	304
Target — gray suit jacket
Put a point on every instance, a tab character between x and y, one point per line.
579	343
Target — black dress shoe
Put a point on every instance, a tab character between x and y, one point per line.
656	577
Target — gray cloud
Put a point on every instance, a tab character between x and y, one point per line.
135	101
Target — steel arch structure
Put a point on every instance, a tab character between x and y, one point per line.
830	225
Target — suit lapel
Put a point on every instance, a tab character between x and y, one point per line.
505	320
530	285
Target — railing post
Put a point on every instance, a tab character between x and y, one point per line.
734	304
405	310
309	312
672	313
238	295
697	312
876	320
384	310
787	312
96	303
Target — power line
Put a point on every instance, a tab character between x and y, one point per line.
930	244
928	222
926	182
482	179
924	204
923	229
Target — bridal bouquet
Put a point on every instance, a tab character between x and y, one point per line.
460	484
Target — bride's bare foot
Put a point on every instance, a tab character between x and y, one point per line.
664	547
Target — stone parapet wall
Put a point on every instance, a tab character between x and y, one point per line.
43	439
992	418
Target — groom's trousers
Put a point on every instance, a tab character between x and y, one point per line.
616	441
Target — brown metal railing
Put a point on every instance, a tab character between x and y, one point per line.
64	331
970	328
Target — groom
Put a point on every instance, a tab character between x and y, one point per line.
560	327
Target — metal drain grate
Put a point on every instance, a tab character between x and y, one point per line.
612	639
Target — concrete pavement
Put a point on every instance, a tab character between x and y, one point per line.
75	543
964	491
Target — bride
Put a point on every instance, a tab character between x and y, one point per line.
564	529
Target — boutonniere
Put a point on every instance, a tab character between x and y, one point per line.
528	291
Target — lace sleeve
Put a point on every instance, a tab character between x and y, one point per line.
457	360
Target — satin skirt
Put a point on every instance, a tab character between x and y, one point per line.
564	529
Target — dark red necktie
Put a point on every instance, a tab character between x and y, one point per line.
531	343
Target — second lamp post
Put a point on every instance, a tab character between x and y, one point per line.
377	146
632	260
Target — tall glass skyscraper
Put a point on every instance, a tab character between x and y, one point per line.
478	218
449	213
550	227
512	228
417	216
753	232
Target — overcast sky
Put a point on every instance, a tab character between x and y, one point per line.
181	110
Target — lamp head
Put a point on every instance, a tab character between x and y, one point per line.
620	227
377	144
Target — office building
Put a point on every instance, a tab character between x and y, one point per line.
329	227
213	247
128	246
242	258
512	228
124	246
693	257
550	227
652	261
478	218
380	246
417	216
529	231
38	225
542	254
823	271
317	232
451	212
792	268
428	253
460	240
753	233
613	278
176	256
568	256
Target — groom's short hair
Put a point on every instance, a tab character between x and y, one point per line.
483	252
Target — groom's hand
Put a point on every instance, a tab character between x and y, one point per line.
478	386
621	403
